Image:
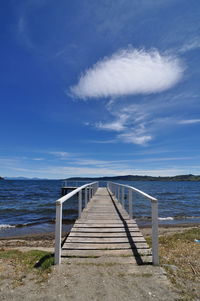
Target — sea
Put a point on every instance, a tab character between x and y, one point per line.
28	206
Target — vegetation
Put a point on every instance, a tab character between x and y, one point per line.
35	261
1	178
189	177
179	255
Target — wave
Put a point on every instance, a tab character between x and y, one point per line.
169	218
37	223
4	226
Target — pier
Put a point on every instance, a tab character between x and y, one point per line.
104	228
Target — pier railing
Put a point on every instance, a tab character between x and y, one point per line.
89	190
118	190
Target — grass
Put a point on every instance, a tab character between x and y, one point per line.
36	262
179	255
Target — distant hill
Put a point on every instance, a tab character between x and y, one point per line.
189	177
23	178
1	178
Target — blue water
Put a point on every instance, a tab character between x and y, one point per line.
29	206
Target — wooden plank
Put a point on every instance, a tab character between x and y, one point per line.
104	220
104	230
101	234
104	239
98	253
98	246
105	225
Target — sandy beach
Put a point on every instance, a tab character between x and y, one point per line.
46	240
91	278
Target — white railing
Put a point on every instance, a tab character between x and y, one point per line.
89	191
118	190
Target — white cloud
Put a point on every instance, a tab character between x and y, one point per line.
67	171
135	138
129	72
112	126
189	121
131	121
60	154
191	45
117	125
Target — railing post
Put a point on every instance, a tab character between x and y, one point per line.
79	203
130	203
118	194
154	206
58	234
86	196
123	201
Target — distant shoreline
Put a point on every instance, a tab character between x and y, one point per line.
179	178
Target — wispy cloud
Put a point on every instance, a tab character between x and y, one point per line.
60	154
139	139
130	121
112	126
191	45
65	171
117	125
129	72
80	166
189	121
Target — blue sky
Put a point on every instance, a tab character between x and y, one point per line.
98	88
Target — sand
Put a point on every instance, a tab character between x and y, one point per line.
85	279
46	240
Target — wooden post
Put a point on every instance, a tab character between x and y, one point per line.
123	201
155	255
86	196
130	203
58	234
118	194
79	203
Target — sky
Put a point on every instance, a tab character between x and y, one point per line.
99	88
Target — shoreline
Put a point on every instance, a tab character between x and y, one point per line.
46	240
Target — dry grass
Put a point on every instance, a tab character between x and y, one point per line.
16	265
180	256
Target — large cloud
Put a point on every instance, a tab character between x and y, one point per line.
129	72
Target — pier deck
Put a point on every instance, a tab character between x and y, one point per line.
106	230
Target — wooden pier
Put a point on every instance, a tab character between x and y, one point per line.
105	229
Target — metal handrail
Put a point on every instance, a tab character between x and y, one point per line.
90	190
115	188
